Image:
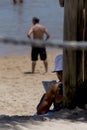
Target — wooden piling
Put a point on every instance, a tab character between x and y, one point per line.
85	38
72	65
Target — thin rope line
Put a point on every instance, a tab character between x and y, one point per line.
50	43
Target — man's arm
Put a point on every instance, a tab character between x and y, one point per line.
47	34
30	32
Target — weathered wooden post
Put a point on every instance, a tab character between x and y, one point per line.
85	38
73	31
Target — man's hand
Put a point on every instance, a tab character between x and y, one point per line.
28	36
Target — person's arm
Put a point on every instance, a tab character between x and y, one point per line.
30	32
47	34
46	101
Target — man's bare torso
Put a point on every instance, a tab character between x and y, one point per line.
38	32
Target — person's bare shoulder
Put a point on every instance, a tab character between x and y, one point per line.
40	26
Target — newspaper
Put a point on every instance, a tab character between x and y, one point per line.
47	84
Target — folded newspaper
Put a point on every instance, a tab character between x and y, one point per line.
47	84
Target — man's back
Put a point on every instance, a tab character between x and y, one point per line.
38	31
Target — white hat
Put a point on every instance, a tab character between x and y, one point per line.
58	63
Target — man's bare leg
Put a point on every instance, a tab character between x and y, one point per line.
33	66
21	1
45	65
14	1
41	100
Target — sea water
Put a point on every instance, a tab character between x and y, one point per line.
15	21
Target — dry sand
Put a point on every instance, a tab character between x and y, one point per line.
20	92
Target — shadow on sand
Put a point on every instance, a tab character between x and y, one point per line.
28	73
18	122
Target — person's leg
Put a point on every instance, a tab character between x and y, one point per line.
33	66
41	100
14	1
43	57
46	100
45	65
21	1
34	58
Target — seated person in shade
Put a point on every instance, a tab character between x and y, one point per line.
54	94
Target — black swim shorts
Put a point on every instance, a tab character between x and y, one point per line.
38	51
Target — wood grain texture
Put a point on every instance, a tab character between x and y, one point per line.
73	59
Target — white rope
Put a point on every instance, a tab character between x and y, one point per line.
50	43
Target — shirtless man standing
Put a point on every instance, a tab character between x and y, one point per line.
38	32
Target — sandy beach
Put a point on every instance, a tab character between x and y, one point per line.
20	92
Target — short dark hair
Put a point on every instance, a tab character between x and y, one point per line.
35	19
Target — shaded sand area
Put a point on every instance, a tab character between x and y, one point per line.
62	120
20	92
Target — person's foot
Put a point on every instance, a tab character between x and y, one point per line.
32	72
